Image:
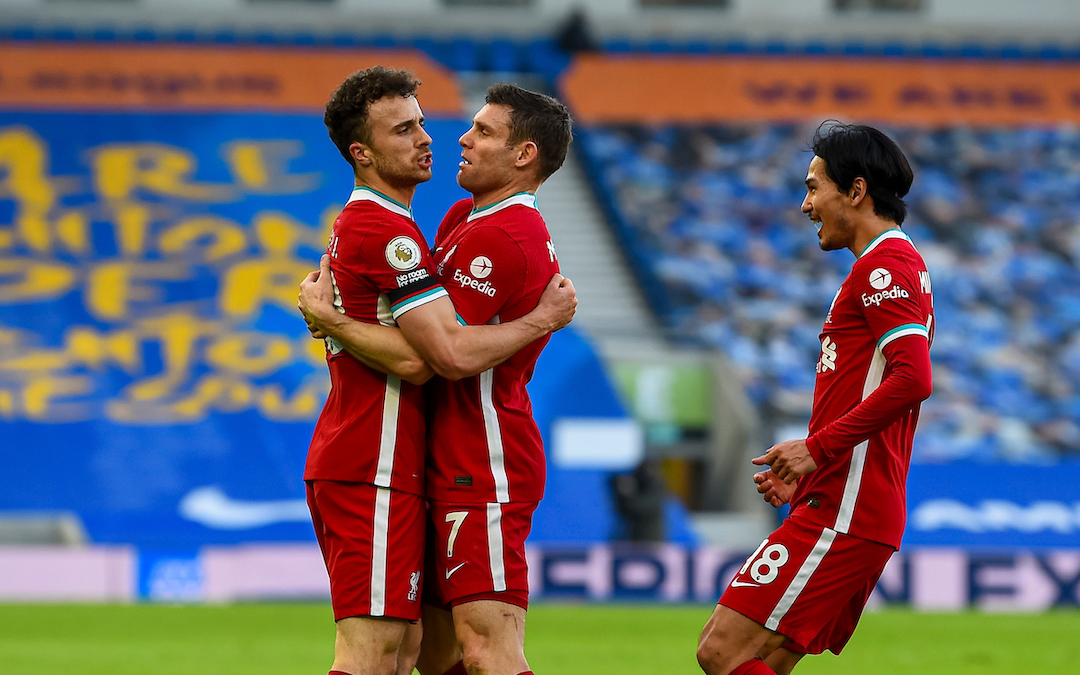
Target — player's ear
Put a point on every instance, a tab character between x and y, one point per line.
528	153
360	153
858	191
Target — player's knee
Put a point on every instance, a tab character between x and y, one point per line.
476	648
713	652
375	658
379	665
707	656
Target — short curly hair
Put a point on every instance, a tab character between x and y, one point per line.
346	113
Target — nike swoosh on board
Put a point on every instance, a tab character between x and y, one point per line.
210	506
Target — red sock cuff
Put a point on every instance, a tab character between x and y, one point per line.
753	667
337	672
527	672
457	669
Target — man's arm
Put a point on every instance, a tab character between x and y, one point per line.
908	384
452	350
381	348
456	351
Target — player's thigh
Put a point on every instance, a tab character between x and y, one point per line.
372	540
440	648
803	576
409	651
492	634
477	551
782	661
730	639
368	645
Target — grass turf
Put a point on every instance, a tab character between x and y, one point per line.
286	639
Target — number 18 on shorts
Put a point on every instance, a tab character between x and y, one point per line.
809	583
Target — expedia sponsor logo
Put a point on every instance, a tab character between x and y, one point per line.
465	281
411	277
880	278
877	298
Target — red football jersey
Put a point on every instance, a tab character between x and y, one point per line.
372	428
484	445
864	416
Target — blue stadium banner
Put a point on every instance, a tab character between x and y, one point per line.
155	376
990	506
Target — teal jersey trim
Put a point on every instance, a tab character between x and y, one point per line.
389	199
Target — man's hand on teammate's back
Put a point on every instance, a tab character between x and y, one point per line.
772	489
789	460
557	305
316	301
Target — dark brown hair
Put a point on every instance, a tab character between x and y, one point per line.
537	118
347	112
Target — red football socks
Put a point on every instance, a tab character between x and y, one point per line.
527	672
753	667
337	672
457	669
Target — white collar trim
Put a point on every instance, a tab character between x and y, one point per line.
522	198
887	234
366	194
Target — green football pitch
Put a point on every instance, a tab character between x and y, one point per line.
288	639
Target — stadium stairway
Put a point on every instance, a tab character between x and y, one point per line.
611	307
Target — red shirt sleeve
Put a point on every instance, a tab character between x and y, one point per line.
390	257
908	383
889	292
488	274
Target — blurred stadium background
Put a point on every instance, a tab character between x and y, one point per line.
166	181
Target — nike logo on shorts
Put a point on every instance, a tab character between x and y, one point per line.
450	572
735	583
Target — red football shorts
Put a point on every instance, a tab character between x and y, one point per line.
477	552
372	541
808	583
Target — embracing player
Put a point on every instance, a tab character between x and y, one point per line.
804	588
365	469
486	466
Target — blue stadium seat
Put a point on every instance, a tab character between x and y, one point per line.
504	56
384	41
24	33
1007	290
464	55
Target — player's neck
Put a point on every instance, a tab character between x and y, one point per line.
401	195
486	199
870	230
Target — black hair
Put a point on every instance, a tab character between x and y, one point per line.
853	150
346	113
538	118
